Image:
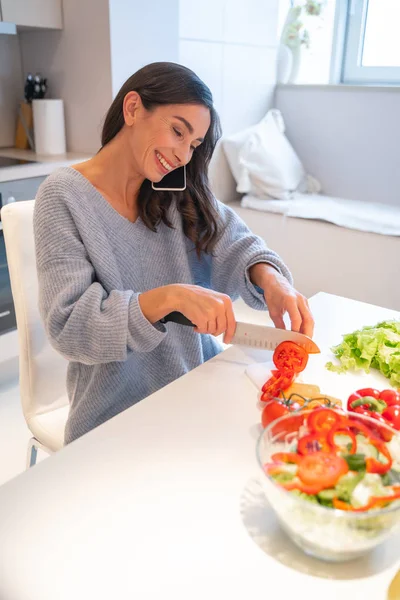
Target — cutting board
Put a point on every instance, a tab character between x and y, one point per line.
334	384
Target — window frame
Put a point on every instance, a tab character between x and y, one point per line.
354	16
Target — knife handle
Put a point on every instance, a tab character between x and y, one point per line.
177	317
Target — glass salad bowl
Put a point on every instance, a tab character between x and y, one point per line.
328	480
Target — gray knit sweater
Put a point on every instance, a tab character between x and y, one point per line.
93	264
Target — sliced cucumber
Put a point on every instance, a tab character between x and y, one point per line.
363	447
327	495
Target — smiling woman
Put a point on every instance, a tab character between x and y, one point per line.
115	256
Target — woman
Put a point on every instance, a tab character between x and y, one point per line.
114	256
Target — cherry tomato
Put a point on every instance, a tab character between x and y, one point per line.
392	415
391	397
290	356
275	409
322	419
322	468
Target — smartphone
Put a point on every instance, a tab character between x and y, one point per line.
172	182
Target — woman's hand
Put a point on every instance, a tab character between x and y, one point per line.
282	298
210	311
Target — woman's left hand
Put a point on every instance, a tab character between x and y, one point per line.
281	298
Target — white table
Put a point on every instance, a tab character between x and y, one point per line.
161	502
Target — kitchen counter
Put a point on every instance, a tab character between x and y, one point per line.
163	502
44	166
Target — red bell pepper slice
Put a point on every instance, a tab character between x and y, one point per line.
313	442
286	457
322	419
340	430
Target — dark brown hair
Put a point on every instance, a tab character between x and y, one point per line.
170	83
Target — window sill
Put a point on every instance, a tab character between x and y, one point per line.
341	87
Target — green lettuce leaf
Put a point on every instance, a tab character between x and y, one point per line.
376	347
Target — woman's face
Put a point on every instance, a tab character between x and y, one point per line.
166	137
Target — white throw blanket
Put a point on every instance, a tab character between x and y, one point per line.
364	216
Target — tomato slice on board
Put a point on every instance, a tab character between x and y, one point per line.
322	468
276	384
290	356
321	420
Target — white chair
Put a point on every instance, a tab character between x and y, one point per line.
42	371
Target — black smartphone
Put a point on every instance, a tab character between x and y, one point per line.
172	182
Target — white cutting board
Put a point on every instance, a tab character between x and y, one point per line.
334	384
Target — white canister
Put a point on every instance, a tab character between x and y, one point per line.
49	126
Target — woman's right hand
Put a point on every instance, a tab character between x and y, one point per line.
210	311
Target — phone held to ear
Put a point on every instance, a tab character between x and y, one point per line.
172	182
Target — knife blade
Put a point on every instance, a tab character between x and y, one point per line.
255	336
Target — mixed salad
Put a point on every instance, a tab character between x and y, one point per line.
339	462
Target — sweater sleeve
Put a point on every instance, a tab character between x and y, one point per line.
83	321
236	251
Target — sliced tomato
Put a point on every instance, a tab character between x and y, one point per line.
314	442
290	356
277	383
323	419
322	468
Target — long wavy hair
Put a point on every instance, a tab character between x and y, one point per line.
169	83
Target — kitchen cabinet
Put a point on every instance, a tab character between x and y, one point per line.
20	189
46	14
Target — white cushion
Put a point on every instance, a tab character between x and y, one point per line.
372	217
264	163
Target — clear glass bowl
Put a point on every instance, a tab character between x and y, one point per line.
326	533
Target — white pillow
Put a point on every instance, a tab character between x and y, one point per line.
263	162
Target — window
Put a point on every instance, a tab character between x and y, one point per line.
372	42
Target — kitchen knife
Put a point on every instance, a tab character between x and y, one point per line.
255	336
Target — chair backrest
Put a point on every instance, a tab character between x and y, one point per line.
42	369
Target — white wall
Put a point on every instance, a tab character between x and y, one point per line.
11	87
231	45
141	33
348	137
77	63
